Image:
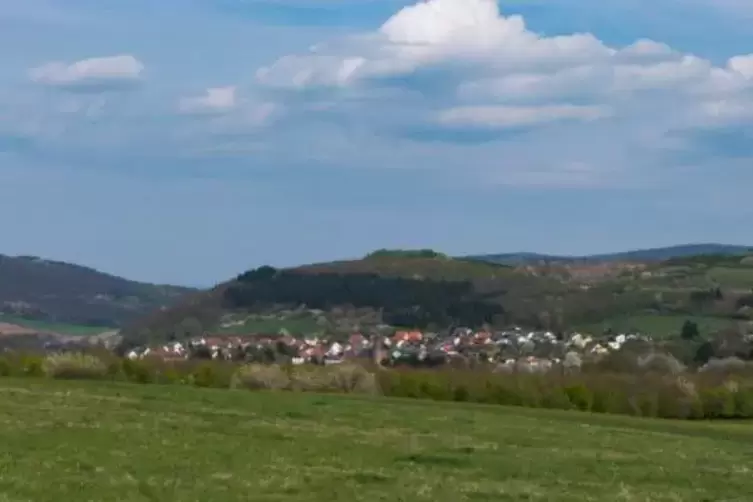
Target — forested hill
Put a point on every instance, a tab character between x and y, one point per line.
429	290
35	288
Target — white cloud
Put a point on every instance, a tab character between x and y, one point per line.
742	65
440	67
728	111
493	69
100	71
499	56
216	99
434	32
442	84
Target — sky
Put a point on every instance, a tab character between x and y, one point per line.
187	141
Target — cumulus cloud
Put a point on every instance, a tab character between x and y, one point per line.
497	59
93	72
215	100
434	32
742	65
461	68
456	86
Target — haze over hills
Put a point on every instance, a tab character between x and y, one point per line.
36	289
638	255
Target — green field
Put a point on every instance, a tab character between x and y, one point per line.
105	441
659	326
62	328
271	326
738	278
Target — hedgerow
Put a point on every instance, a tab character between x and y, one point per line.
660	394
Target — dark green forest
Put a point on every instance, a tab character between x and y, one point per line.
402	301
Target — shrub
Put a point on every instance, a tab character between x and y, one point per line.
343	378
308	379
6	367
209	374
171	375
403	383
580	396
115	370
611	401
660	363
657	392
352	379
744	402
724	365
258	377
71	365
32	366
718	402
677	397
138	371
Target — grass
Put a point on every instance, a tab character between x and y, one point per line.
659	326
296	326
62	328
738	278
107	441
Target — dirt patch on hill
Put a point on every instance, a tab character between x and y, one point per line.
7	329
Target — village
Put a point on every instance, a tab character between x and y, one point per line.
515	348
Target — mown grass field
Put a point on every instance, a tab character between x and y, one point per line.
106	441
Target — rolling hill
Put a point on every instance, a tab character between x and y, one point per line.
40	293
430	290
639	255
106	441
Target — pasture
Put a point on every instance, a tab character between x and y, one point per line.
119	441
658	325
54	327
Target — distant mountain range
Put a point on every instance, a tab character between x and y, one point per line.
638	255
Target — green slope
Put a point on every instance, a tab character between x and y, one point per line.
433	291
98	441
65	293
54	327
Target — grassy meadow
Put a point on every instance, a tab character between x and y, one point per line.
298	326
119	441
658	325
54	327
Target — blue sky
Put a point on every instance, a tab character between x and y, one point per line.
187	141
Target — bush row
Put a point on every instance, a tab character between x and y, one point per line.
646	395
347	378
686	396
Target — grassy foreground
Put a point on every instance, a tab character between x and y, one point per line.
115	441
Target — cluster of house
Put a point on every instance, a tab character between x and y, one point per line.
509	348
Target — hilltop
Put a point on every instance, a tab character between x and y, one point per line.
51	296
638	255
429	290
402	288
